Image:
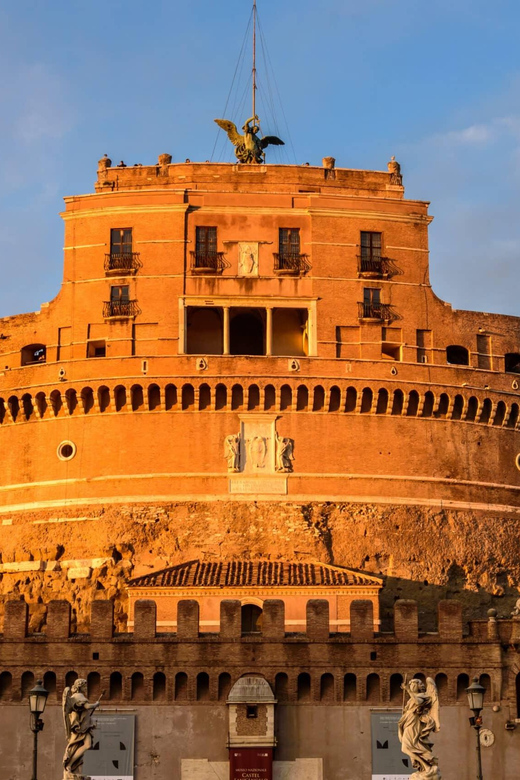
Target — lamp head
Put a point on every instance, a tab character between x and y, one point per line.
476	697
38	699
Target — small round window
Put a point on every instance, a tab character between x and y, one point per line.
66	450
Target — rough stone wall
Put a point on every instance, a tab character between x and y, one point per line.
425	554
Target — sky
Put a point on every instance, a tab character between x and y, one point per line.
435	83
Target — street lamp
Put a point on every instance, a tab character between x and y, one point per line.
37	701
476	693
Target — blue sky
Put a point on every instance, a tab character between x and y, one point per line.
435	83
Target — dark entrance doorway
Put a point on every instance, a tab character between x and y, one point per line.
247	333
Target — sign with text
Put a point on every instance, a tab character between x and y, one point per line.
251	764
112	754
388	762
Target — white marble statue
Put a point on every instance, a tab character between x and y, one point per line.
77	715
232	454
419	719
257	451
284	454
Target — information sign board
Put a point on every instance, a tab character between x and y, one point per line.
112	754
251	764
388	762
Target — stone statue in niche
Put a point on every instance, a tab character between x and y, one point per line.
232	453
284	454
257	451
77	716
248	259
419	719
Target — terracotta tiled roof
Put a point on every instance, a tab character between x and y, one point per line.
235	574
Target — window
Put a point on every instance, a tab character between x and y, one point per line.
33	353
96	349
206	242
371	296
512	362
457	355
251	619
251	711
289	242
121	241
370	246
120	294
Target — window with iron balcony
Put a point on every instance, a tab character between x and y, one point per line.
371	308
289	261
206	259
371	264
120	306
121	259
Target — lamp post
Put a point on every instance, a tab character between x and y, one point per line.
37	701
476	703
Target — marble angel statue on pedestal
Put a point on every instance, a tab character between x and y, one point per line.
420	718
77	716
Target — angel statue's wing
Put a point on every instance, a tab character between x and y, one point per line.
431	690
271	139
231	130
67	709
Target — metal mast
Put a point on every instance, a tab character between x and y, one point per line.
254	58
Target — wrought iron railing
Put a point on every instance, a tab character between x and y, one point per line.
120	309
373	266
291	263
375	311
125	262
207	262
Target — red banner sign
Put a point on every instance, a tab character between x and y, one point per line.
251	764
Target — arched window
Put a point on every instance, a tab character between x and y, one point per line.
14	407
398	402
462	684
441	681
304	687
154	397
27	683
188	397
87	400
93	686
334	399
56	402
103	398
137	397
71	399
49	682
251	619
512	362
382	401
413	404
429	400
351	401
120	398
444	404
41	403
115	692
270	398
159	686
485	681
373	688
170	397
33	353
281	687
396	693
203	686
6	685
204	398
327	687
366	401
285	398
500	413
181	686
513	416
137	687
458	407
302	399
253	398
457	355
2	409
319	399
349	687
70	679
487	408
224	686
27	406
237	397
220	397
420	676
471	412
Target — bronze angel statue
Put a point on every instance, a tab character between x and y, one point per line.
77	716
419	719
249	148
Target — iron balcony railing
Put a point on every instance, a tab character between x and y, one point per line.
207	262
120	309
373	266
291	263
122	263
375	311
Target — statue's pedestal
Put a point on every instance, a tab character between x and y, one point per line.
72	776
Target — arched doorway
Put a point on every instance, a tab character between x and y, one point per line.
251	619
247	332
